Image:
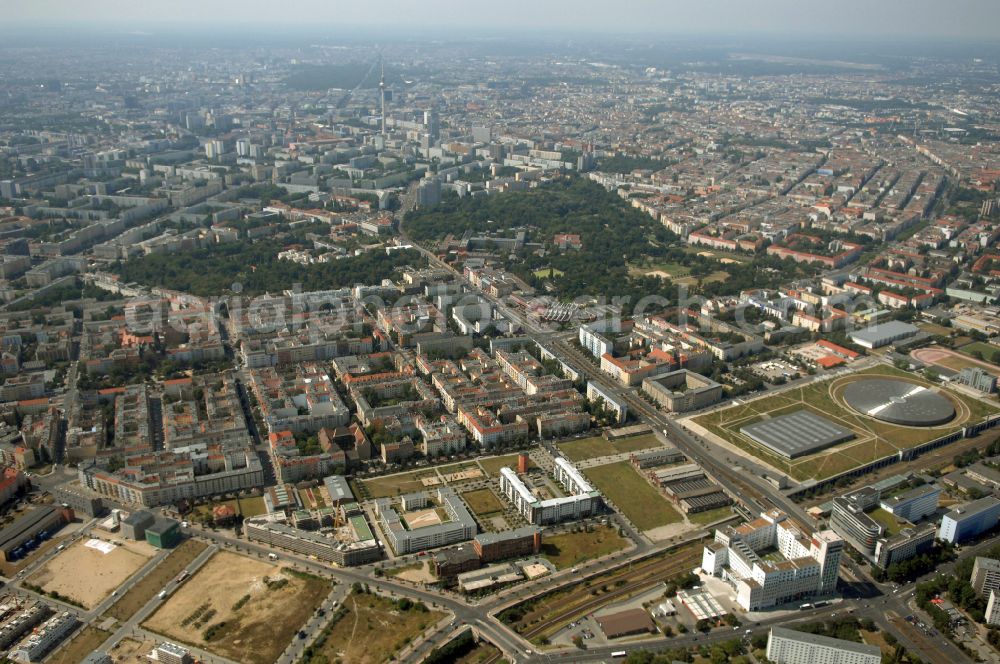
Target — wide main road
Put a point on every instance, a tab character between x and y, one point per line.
741	485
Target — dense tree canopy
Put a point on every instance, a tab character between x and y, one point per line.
612	232
255	266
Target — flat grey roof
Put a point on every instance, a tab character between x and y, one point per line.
913	494
973	509
827	641
338	488
884	332
162	525
796	434
25	524
898	402
139	517
517	533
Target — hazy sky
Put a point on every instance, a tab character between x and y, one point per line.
899	19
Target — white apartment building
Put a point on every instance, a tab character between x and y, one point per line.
774	560
786	646
584	500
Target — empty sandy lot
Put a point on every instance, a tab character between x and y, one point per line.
212	610
87	575
421	518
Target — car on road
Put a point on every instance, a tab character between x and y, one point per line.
302	634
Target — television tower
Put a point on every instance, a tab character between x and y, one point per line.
381	89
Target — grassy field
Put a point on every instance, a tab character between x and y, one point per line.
986	349
717	276
394	485
932	328
957	363
85	642
886	519
370	629
569	549
147	587
482	502
492	465
874	439
247	506
251	612
633	495
717	254
545	273
710	516
598	446
675	270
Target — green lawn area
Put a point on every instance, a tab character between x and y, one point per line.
394	485
717	254
482	502
887	520
718	275
492	465
598	446
957	363
710	516
986	349
569	549
633	495
247	506
675	270
932	328
545	273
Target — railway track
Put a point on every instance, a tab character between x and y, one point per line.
650	573
652	414
653	573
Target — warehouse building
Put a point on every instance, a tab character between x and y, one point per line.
135	524
46	519
339	490
883	334
797	434
626	623
660	456
164	533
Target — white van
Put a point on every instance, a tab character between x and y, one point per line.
272	556
163	594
